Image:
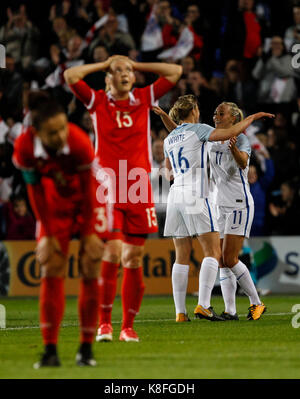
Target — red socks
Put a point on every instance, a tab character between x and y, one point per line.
88	306
132	295
52	301
52	304
108	289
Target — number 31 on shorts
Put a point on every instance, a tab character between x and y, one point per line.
151	216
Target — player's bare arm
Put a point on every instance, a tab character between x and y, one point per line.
167	121
240	157
77	73
168	170
235	130
171	72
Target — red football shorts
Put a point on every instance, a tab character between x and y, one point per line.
130	211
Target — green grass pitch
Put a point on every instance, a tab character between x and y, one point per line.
265	349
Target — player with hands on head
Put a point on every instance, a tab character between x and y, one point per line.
55	158
186	155
121	118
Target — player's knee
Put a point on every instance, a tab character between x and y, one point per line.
88	266
183	256
112	252
90	256
112	258
229	259
213	253
55	266
132	259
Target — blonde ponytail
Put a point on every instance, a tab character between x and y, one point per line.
182	107
235	111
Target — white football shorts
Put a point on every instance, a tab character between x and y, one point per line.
188	215
235	221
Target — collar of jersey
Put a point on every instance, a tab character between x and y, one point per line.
40	152
132	99
183	124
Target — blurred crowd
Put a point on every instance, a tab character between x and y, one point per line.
242	51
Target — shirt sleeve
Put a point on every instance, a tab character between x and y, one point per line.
159	88
22	158
243	144
84	93
203	131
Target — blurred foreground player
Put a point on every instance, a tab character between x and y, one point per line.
55	158
123	150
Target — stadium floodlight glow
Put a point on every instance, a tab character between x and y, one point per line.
2	56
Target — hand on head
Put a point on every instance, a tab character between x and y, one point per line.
118	58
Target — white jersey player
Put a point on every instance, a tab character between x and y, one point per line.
230	192
229	187
189	212
186	148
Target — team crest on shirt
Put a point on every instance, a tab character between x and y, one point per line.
59	178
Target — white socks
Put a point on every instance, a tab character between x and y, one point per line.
228	288
207	278
180	276
244	279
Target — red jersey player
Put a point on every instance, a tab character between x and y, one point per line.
55	158
123	149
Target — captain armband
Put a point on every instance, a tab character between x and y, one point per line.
31	176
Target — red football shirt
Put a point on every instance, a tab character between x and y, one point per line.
58	171
122	128
63	185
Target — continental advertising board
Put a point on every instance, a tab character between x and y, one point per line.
20	273
274	263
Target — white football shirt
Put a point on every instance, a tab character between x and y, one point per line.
229	183
186	148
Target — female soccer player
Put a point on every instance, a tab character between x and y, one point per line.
189	212
123	150
55	158
229	162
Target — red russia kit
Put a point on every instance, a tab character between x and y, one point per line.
123	144
61	176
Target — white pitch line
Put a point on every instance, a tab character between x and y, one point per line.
119	322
